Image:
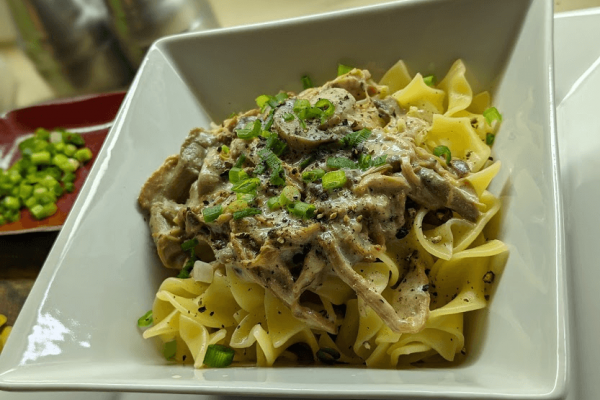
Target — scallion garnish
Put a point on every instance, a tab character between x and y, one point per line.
444	151
247	186
334	179
301	108
246	213
212	213
170	349
262	101
268	157
218	356
491	114
355	138
237	174
250	130
187	267
489	139
276	145
307	161
247	197
343	69
328	355
430	80
312	175
289	195
240	161
341	162
306	82
303	210
326	107
287	117
145	320
225	149
364	161
273	203
189	244
377	161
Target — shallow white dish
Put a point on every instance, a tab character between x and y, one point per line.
577	87
77	330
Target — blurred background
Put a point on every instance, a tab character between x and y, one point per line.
60	48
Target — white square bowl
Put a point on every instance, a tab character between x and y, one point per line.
77	330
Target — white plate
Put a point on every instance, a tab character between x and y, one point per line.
577	55
77	330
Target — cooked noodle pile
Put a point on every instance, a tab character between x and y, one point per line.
349	218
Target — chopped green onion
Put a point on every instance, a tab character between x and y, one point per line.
343	69
189	244
279	99
212	213
145	320
377	161
303	210
42	134
247	197
301	108
262	101
68	177
43	211
276	145
430	80
73	138
240	161
11	203
247	186
334	179
247	212
237	174
306	82
225	149
41	157
328	355
60	147
237	205
341	162
250	130
312	175
491	114
355	138
170	349
273	203
31	202
233	114
25	191
268	157
69	150
327	109
307	161
83	155
218	356
364	161
440	151
69	187
287	117
489	139
187	267
289	195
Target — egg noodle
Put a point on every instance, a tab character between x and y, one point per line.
456	256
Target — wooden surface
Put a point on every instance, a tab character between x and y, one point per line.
22	256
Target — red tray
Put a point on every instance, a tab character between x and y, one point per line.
91	116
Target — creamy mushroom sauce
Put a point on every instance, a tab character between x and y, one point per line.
290	255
